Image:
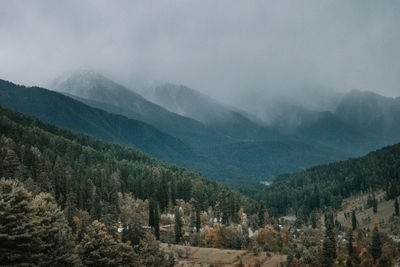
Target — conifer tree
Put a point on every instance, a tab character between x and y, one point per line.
133	232
396	207
376	244
350	248
178	225
149	253
98	248
353	220
374	204
261	216
20	230
156	222
329	243
56	233
198	219
151	212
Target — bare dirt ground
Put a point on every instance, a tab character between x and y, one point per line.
198	257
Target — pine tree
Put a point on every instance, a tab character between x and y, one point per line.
56	233
173	191
261	216
97	246
329	243
353	220
314	220
133	232
376	244
151	212
156	222
374	204
20	230
178	225
350	248
396	207
162	194
149	253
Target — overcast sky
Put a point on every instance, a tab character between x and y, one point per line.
223	48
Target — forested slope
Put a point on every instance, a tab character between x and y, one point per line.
83	173
63	196
327	185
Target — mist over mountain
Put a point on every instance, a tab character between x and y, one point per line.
244	144
70	114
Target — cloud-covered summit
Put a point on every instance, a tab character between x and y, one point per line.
225	49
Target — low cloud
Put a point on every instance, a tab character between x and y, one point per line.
231	50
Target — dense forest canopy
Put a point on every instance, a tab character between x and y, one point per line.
326	186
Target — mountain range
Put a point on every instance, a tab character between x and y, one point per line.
180	125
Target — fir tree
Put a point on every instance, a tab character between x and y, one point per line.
20	230
56	233
374	204
353	220
396	207
133	232
350	248
314	220
151	212
261	216
149	253
98	248
376	244
156	222
178	225
329	243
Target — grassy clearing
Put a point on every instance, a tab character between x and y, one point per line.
198	257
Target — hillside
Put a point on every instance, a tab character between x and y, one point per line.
64	198
220	117
73	115
327	185
362	121
98	91
67	164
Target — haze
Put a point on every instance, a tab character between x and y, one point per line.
231	50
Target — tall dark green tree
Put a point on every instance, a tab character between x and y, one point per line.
261	211
133	232
156	221
353	220
162	194
329	243
178	225
396	207
151	212
350	248
314	220
375	206
173	191
376	244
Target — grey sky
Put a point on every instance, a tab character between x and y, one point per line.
223	48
